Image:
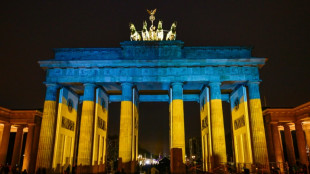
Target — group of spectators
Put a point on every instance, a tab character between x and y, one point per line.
6	169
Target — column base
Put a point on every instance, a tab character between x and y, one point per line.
176	161
128	167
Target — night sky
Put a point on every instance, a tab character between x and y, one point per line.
278	30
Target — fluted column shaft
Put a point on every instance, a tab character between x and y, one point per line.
17	146
47	133
277	143
35	145
5	142
301	142
87	125
217	125
177	121
306	128
269	139
28	148
257	125
289	145
126	124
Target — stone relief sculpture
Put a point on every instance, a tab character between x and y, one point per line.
172	33
160	31
145	33
134	35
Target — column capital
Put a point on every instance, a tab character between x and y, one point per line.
253	83
51	91
51	85
287	126
7	124
253	87
215	90
214	83
89	85
127	91
177	84
31	124
89	92
127	84
177	91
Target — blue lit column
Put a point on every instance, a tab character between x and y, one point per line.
217	125
257	125
46	142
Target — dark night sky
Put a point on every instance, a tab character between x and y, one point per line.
278	30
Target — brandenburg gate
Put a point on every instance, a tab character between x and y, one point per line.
81	82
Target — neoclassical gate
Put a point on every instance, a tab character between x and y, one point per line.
88	79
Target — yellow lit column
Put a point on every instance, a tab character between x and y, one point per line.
86	128
46	141
217	125
28	148
289	145
5	142
126	127
257	125
276	141
177	119
300	136
17	146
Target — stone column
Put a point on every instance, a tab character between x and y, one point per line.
126	127
289	145
177	119
17	146
28	148
5	142
276	141
87	125
307	133
46	142
217	125
35	144
269	140
257	125
300	136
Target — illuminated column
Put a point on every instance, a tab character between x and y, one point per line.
276	141
307	132
257	125
35	144
177	119
46	142
289	145
17	146
86	129
5	142
300	136
217	125
28	148
126	126
269	139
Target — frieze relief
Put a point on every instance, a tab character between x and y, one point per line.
67	123
91	72
239	122
101	124
204	123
